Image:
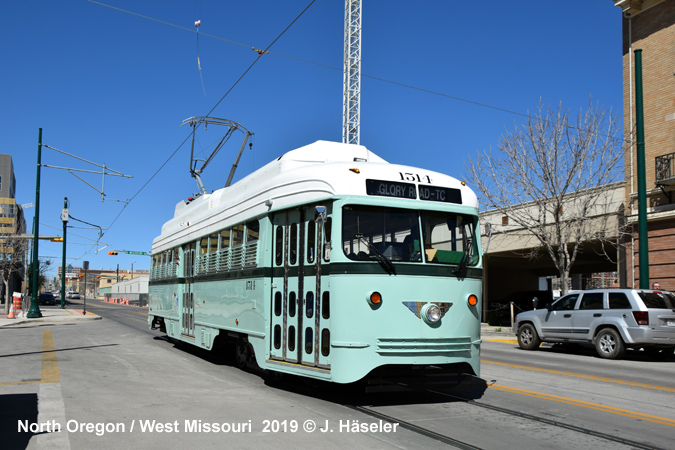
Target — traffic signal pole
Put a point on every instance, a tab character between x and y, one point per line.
64	218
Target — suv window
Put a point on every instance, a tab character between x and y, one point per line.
660	300
618	300
565	303
591	300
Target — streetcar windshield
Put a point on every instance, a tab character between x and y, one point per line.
404	235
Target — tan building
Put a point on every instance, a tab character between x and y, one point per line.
12	223
649	25
99	281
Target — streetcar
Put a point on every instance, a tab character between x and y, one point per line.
328	263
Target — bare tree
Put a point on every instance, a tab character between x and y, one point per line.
11	261
550	177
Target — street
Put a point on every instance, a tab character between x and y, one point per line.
113	383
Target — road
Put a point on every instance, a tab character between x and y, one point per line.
99	379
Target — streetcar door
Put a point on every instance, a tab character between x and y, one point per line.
286	288
187	308
315	314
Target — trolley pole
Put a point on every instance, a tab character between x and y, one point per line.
34	311
64	218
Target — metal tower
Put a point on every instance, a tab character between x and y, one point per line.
351	104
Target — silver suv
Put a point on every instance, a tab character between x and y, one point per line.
609	319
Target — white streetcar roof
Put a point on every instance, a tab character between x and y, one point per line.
311	173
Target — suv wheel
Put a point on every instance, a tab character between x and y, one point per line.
609	345
528	339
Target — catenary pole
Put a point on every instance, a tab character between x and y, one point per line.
34	310
642	184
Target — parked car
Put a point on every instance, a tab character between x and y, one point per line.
47	298
611	320
73	295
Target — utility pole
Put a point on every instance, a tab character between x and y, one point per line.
34	311
351	103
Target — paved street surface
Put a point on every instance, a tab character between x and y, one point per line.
103	380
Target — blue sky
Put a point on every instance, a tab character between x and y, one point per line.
113	87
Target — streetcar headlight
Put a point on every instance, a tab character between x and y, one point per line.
431	313
375	299
472	300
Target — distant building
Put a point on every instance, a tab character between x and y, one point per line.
99	281
12	222
650	25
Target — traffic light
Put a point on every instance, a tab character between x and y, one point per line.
57	239
112	253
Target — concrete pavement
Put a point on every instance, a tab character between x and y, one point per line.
50	314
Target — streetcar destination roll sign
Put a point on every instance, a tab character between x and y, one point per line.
440	194
391	189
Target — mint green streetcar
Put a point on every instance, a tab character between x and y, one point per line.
328	263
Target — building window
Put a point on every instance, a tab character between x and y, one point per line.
505	220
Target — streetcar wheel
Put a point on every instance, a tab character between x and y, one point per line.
528	339
609	345
241	353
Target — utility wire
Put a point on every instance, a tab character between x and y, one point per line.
260	53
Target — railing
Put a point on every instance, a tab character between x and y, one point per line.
665	168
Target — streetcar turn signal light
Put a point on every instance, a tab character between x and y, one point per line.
473	300
355	170
375	298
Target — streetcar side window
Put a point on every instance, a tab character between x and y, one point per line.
252	231
279	246
294	244
203	245
327	231
224	239
213	243
237	235
252	236
311	241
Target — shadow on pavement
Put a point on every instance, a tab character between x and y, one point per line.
15	408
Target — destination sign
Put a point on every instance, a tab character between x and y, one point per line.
440	194
391	189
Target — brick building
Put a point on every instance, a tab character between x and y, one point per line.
649	25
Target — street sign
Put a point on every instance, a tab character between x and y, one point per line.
135	253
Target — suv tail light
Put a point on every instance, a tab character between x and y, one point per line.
641	317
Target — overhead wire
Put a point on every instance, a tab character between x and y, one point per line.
267	51
260	53
328	66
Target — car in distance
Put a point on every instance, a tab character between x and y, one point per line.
73	294
611	320
47	298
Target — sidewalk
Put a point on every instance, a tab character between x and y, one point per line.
490	333
53	314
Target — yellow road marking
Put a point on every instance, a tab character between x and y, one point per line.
508	341
581	375
50	367
596	406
